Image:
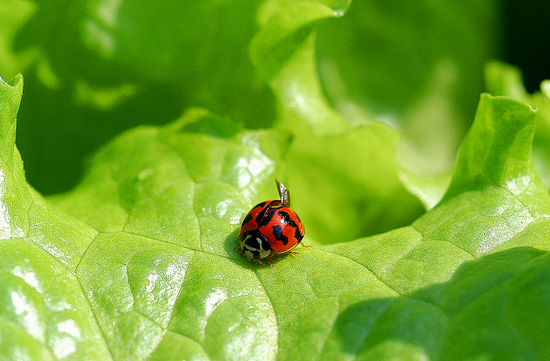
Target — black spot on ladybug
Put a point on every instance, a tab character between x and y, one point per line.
297	234
278	233
288	220
247	219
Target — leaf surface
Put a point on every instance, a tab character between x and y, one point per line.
128	278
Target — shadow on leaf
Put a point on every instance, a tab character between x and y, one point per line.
495	307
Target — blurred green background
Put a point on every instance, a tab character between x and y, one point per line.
93	68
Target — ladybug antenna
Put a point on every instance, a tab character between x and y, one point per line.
283	193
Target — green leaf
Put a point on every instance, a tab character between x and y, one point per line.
504	79
157	277
470	273
283	52
14	221
45	313
505	159
166	201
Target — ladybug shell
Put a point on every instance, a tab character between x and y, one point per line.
280	225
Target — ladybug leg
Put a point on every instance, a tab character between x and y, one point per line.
238	250
303	245
269	258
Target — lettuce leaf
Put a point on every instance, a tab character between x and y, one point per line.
138	260
146	268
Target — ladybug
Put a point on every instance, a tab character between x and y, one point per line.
271	227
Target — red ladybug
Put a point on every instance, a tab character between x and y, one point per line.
270	227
